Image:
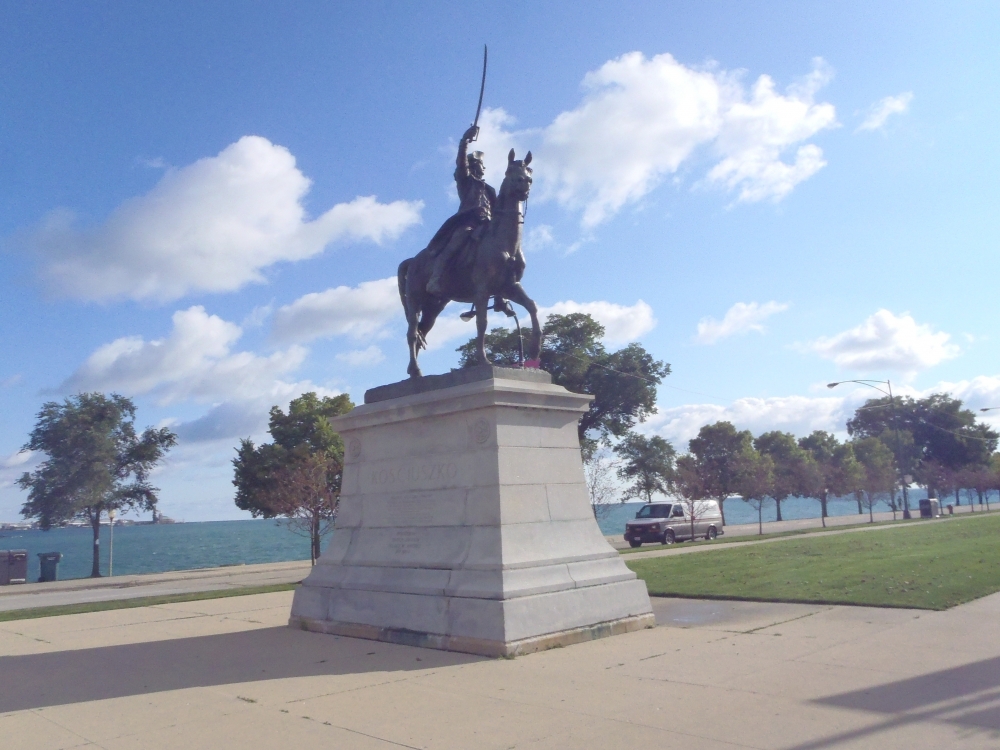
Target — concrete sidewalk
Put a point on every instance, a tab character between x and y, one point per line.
82	590
227	673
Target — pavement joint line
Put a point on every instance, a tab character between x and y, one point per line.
358	688
86	740
370	736
782	622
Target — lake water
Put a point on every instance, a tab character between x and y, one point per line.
183	546
161	547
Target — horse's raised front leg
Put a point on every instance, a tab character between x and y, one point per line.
515	293
482	308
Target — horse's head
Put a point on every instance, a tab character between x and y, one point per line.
517	180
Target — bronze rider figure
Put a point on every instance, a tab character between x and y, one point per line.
477	203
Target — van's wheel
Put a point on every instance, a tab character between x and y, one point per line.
668	537
634	543
712	533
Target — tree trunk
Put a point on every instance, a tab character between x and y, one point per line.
760	519
314	523
822	507
958	497
777	504
722	502
857	498
95	524
871	513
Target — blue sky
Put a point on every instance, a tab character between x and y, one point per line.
204	203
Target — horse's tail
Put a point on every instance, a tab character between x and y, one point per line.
401	274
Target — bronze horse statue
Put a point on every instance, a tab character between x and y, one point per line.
491	268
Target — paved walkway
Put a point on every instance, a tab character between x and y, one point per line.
227	673
82	590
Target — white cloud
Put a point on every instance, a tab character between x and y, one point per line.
881	110
538	238
642	118
887	342
360	312
195	361
210	226
243	416
756	132
622	323
16	460
799	415
13	466
448	328
362	357
740	318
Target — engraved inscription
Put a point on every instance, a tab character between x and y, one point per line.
407	476
405	542
480	430
412	511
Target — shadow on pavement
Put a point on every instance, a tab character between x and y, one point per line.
966	696
64	677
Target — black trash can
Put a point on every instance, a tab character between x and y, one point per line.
17	566
49	563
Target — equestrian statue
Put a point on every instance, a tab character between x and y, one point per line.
474	256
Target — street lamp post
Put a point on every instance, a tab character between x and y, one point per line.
895	417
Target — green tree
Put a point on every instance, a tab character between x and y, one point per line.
795	471
648	463
880	472
755	480
298	475
839	473
939	479
623	383
717	450
688	486
936	430
995	475
95	462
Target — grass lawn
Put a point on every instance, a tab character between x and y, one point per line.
766	535
142	601
931	565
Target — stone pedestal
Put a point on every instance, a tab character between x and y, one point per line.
465	525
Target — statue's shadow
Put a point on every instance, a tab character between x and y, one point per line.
64	677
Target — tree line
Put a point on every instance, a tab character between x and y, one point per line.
96	461
934	442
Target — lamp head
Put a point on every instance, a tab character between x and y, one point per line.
832	385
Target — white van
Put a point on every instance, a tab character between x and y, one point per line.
666	523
